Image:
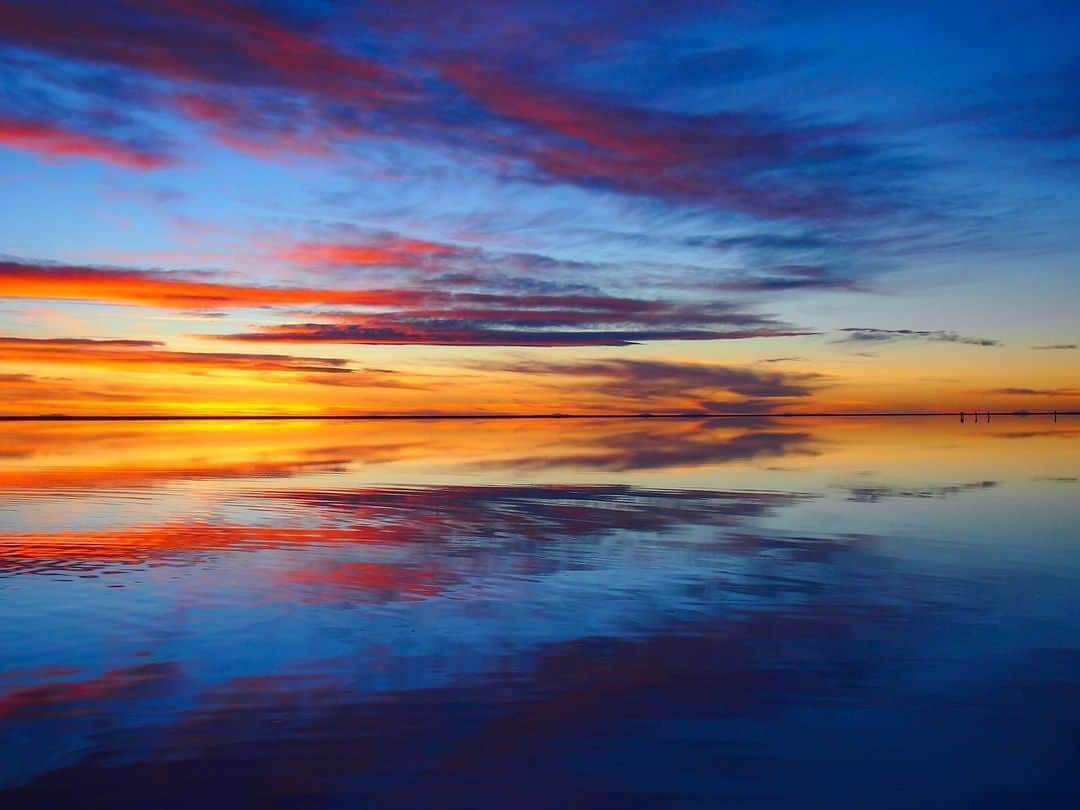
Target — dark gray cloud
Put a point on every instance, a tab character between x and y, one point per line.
865	334
670	385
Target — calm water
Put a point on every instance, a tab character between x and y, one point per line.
536	614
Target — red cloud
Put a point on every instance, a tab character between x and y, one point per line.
384	250
55	141
195	40
407	315
716	157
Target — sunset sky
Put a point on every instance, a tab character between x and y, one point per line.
312	207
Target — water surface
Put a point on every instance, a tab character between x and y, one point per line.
575	613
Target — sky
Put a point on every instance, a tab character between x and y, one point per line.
615	207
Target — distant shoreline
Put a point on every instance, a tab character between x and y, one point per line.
510	416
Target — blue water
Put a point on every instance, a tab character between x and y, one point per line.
571	615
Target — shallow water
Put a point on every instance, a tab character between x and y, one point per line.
575	613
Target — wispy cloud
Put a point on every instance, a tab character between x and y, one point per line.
420	315
170	290
485	320
862	334
383	250
57	140
1035	392
147	355
269	80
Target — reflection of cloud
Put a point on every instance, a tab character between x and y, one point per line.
406	517
695	443
875	493
529	511
270	738
75	697
43	481
342	582
1034	392
680	700
1061	433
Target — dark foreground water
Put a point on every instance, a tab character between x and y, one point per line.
540	614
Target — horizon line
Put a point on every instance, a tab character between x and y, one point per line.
508	416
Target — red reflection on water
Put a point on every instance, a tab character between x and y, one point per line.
68	698
365	582
394	516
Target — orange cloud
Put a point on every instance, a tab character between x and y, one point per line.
408	315
172	290
147	354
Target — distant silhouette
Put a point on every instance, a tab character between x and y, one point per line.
976	417
988	416
961	417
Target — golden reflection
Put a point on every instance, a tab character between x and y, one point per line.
93	455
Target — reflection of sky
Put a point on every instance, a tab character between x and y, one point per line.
266	606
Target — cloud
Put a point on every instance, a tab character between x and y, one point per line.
518	325
665	385
170	290
55	141
728	159
407	315
202	41
1039	109
271	79
147	355
1056	347
262	80
790	277
1035	392
861	334
382	250
403	332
